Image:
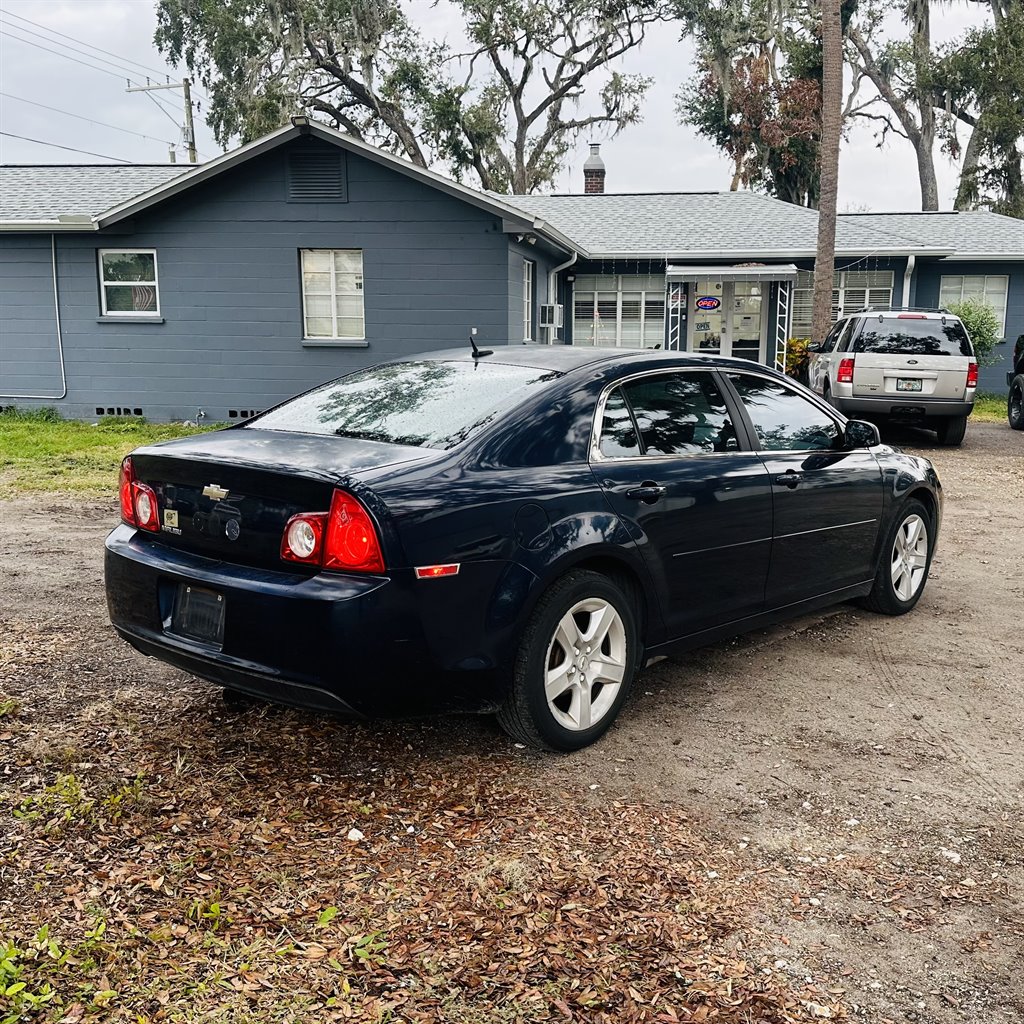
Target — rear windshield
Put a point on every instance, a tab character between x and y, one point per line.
428	404
898	337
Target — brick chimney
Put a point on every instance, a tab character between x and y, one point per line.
593	171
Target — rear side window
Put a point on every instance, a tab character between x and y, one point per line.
676	414
428	404
898	336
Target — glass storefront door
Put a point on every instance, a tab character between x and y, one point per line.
728	318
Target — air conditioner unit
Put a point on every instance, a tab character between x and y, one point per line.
552	315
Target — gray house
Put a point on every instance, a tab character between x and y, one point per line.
166	290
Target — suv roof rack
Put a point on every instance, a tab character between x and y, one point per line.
906	309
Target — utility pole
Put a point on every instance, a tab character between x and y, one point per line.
186	87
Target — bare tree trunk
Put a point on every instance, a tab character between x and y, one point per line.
831	126
967	191
920	25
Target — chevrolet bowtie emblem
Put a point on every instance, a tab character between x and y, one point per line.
215	491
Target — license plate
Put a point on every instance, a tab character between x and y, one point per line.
906	384
198	614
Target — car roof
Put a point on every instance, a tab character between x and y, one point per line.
914	314
567	358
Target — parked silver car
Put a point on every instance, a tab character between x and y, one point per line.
902	365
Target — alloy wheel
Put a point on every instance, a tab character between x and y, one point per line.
585	664
909	557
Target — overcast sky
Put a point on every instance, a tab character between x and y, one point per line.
656	155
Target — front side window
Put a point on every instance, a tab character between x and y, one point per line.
674	414
784	420
332	294
830	341
991	289
529	268
425	403
128	283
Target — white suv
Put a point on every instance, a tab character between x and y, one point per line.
910	366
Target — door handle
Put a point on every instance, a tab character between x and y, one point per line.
647	492
791	478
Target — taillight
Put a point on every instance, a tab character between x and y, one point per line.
845	372
972	375
147	513
124	488
344	538
352	542
303	538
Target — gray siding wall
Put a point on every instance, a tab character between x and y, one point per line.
230	295
928	279
29	350
543	262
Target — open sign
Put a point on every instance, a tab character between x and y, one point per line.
708	302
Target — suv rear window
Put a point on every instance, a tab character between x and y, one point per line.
895	336
427	403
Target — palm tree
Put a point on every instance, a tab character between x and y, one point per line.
831	126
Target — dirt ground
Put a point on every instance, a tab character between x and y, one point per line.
867	772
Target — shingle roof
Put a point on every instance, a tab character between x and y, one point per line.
691	224
969	233
44	193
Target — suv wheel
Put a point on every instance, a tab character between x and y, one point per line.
906	558
1015	403
576	662
951	431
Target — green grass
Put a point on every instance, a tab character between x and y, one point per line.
989	409
40	451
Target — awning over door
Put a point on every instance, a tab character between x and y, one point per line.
778	272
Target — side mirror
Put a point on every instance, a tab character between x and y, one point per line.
861	434
813	346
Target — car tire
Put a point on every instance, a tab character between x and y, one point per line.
827	394
559	698
905	562
951	431
1015	403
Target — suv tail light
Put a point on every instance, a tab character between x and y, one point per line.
344	538
972	375
844	375
138	501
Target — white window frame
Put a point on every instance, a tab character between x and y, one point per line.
618	284
1000	311
335	338
105	284
847	297
529	279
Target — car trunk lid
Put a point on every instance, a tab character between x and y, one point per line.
229	494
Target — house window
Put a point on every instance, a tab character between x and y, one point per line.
852	290
529	272
128	282
990	289
619	310
332	294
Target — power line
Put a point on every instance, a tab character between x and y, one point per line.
123	68
91	46
57	145
58	53
82	117
74	39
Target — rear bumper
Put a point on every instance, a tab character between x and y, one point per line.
906	406
374	645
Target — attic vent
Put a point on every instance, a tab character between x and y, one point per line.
316	178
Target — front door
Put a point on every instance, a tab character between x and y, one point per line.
728	318
671	466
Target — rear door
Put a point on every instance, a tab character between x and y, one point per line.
674	462
911	355
826	500
819	363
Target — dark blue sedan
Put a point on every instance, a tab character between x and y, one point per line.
517	532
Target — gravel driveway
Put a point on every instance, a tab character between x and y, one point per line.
868	771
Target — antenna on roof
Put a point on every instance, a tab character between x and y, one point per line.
478	353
